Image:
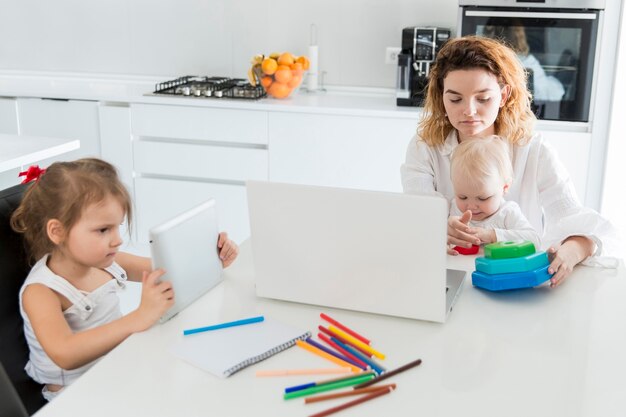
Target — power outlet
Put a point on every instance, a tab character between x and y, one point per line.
391	55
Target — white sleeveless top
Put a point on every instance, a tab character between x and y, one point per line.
88	310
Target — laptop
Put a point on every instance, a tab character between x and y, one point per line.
186	248
370	251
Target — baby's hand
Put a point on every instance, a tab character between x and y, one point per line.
228	249
156	299
486	236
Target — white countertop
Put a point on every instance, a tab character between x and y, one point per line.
17	151
136	89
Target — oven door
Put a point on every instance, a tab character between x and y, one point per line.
557	47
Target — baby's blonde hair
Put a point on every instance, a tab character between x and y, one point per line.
481	159
62	193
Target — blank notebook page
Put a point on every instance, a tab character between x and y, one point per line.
223	352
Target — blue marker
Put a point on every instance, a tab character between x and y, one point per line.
224	325
335	354
376	367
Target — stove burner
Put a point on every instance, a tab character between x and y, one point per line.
203	87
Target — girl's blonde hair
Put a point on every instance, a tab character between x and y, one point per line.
515	120
481	159
62	193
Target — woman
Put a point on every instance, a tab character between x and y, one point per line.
477	88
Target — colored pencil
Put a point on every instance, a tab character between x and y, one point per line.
390	373
326	381
328	387
344	328
342	350
352	403
359	391
371	362
337	354
325	355
356	342
331	334
315	371
224	325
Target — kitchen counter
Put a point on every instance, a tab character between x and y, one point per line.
136	89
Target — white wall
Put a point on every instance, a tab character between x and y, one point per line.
217	37
614	195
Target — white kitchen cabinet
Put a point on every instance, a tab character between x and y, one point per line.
72	119
8	125
183	155
341	151
115	140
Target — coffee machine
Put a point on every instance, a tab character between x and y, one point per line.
419	50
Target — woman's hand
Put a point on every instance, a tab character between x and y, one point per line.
228	249
156	299
572	251
459	232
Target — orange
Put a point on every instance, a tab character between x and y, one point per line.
297	66
266	82
286	59
295	81
283	74
269	66
279	90
304	61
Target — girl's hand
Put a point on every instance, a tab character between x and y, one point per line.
486	236
228	249
156	299
572	251
459	232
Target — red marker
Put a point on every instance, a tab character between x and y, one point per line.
344	328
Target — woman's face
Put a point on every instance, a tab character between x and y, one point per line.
472	99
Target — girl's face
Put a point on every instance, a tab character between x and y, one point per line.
95	239
482	200
472	99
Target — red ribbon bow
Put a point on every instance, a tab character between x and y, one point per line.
32	173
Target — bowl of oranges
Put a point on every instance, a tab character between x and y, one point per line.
278	73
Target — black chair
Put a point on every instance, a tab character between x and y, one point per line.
10	402
14	267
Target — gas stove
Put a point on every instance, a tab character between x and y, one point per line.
209	87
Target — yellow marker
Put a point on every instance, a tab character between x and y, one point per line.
356	342
319	352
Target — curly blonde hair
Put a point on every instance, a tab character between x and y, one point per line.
515	119
62	193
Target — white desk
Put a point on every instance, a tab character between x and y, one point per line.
17	151
539	352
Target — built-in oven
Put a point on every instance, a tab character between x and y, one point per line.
556	41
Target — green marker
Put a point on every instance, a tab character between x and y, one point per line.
328	387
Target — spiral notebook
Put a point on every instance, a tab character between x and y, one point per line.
225	351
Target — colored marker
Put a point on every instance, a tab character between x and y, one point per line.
224	325
390	373
329	387
342	350
356	342
352	403
326	381
358	391
371	362
315	371
325	355
338	355
331	334
344	328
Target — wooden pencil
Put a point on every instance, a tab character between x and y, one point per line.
347	393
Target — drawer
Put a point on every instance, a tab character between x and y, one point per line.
160	199
198	160
199	123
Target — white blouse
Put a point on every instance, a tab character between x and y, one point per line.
541	186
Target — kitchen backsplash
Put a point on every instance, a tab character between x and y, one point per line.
211	37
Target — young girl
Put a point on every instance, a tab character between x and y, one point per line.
70	217
481	175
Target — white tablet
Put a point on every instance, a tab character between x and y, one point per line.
186	248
